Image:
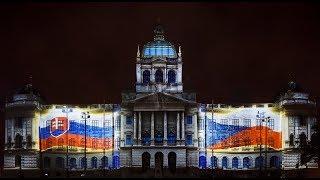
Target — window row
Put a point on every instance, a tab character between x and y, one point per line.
159	76
235	123
247	162
60	162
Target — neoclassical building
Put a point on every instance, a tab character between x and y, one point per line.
158	126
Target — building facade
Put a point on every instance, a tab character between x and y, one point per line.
158	126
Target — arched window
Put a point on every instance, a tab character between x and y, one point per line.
224	162
46	162
116	162
73	163
303	140
159	76
83	162
202	162
274	162
60	162
291	140
171	76
18	141
146	76
94	162
235	162
259	162
214	162
246	163
104	162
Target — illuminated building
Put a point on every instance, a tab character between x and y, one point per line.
158	125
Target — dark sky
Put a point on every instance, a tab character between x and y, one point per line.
232	52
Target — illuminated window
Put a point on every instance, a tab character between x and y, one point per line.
235	123
271	124
128	120
48	124
95	124
107	143
107	123
146	77
94	162
128	140
189	139
235	162
247	122
189	119
224	123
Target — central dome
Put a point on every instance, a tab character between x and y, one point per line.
159	47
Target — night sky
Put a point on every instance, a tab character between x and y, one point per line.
232	52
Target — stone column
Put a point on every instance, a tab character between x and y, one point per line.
122	136
134	128
178	128
182	130
195	122
152	129
165	128
139	132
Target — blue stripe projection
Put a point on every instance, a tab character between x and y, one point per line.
79	129
217	132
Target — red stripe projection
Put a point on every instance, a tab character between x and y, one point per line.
251	136
76	141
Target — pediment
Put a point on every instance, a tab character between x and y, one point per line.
160	101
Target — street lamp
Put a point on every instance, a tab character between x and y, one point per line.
84	116
67	110
261	118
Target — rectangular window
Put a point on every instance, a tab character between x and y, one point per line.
128	120
247	122
258	121
94	144
189	119
224	124
271	124
48	124
235	123
95	124
189	139
128	140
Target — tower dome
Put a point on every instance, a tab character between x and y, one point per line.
159	47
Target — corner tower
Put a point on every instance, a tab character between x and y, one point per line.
159	66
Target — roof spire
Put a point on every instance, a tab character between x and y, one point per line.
179	53
138	52
158	32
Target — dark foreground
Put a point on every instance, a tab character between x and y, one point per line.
180	173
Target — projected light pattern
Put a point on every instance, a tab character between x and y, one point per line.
59	130
241	127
